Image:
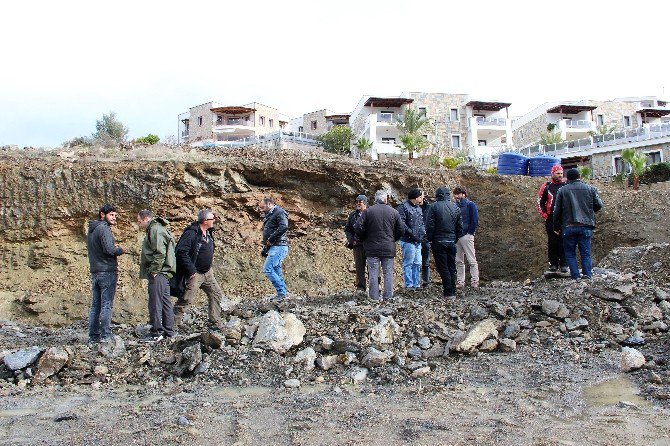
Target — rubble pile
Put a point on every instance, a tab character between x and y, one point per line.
346	338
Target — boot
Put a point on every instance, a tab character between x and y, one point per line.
425	276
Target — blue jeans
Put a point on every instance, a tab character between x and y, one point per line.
103	288
573	237
272	268
411	264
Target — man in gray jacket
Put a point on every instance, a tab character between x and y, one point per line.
575	215
102	258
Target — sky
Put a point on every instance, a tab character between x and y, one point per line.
67	63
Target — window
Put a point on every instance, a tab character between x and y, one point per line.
653	158
271	122
425	137
200	121
503	140
247	118
301	129
453	114
261	120
619	166
455	141
626	121
423	111
388	140
313	125
600	119
386	116
219	119
481	142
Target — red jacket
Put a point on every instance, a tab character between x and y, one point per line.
546	197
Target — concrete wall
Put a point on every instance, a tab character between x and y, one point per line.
529	133
269	113
321	123
201	132
614	111
438	107
602	163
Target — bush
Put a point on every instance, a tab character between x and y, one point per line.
79	141
656	173
452	162
491	170
148	140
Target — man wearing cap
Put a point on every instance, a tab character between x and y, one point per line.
575	217
546	200
410	243
355	244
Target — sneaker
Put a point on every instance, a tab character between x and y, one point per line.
460	285
449	297
278	299
151	338
565	269
553	268
475	284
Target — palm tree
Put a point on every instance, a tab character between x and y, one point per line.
363	144
411	127
637	162
549	138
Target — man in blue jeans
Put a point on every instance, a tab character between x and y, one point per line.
574	214
411	215
275	245
102	258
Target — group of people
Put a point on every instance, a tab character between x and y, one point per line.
568	210
443	227
172	268
181	268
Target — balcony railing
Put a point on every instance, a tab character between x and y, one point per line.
388	119
234	122
577	124
491	121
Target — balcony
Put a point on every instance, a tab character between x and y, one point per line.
491	122
388	118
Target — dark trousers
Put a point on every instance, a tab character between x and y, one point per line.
554	245
359	260
161	315
103	288
425	263
444	253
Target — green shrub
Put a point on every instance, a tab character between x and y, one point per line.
656	173
491	170
451	162
149	140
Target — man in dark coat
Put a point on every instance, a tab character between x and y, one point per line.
546	200
425	247
410	243
444	227
380	227
355	244
275	245
102	258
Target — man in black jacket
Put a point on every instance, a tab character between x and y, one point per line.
411	215
354	243
380	227
275	245
195	254
425	247
444	227
574	215
102	258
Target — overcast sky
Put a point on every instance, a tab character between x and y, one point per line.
66	63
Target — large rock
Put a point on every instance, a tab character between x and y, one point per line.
213	339
375	358
631	359
51	362
279	333
576	324
22	359
473	338
191	357
385	332
307	357
555	309
114	347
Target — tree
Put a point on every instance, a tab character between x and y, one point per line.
337	140
637	162
548	138
149	140
603	130
412	126
110	131
363	144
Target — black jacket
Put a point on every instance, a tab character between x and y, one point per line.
349	228
187	249
275	227
412	216
379	228
102	251
444	222
576	205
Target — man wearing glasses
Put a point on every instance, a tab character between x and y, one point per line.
195	253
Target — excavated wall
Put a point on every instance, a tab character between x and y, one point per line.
46	203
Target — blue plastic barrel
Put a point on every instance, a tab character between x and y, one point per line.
540	165
512	163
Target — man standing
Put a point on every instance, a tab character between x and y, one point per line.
410	243
275	244
574	216
158	264
355	244
546	201
425	247
102	258
195	254
465	247
380	227
443	229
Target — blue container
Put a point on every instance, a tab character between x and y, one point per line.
540	165
511	163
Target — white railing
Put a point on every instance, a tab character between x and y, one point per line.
303	138
241	122
577	123
388	119
491	121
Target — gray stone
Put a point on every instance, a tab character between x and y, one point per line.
307	357
22	358
348	358
100	370
478	313
326	362
358	374
112	348
375	358
424	342
414	352
385	332
576	324
51	362
511	330
326	343
292	383
212	339
346	345
423	371
279	333
474	337
182	421
489	345
631	359
435	351
606	294
191	357
507	345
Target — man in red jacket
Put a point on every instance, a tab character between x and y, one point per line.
545	206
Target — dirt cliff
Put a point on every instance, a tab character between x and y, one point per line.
46	202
